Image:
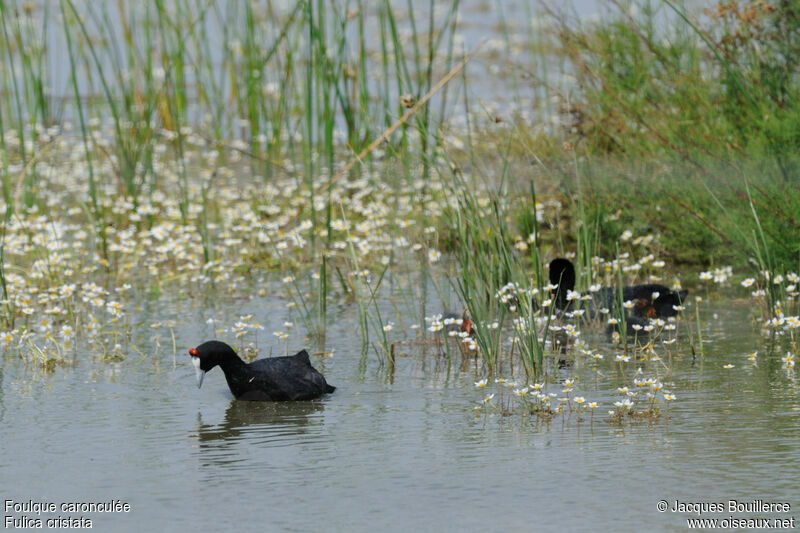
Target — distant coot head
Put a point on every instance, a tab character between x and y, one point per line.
207	356
466	323
562	273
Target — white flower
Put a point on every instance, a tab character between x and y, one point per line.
573	295
67	332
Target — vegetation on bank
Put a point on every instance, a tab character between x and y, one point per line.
686	122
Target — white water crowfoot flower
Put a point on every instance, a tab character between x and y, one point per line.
67	332
719	275
436	323
481	384
623	405
7	337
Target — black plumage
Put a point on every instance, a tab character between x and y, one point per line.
273	379
650	300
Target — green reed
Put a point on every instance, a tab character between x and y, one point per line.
764	255
10	76
533	348
699	331
325	77
487	262
110	100
478	278
299	293
8	312
366	297
588	236
97	215
175	90
622	321
4	163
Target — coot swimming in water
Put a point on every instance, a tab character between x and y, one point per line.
273	379
650	300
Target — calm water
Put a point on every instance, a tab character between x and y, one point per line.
397	453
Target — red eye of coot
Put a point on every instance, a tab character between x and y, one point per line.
193	352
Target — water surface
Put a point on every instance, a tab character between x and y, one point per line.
397	452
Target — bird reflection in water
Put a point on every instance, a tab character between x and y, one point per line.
252	427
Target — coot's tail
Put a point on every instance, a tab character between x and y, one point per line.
329	388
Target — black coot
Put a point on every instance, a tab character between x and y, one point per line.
273	379
650	300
